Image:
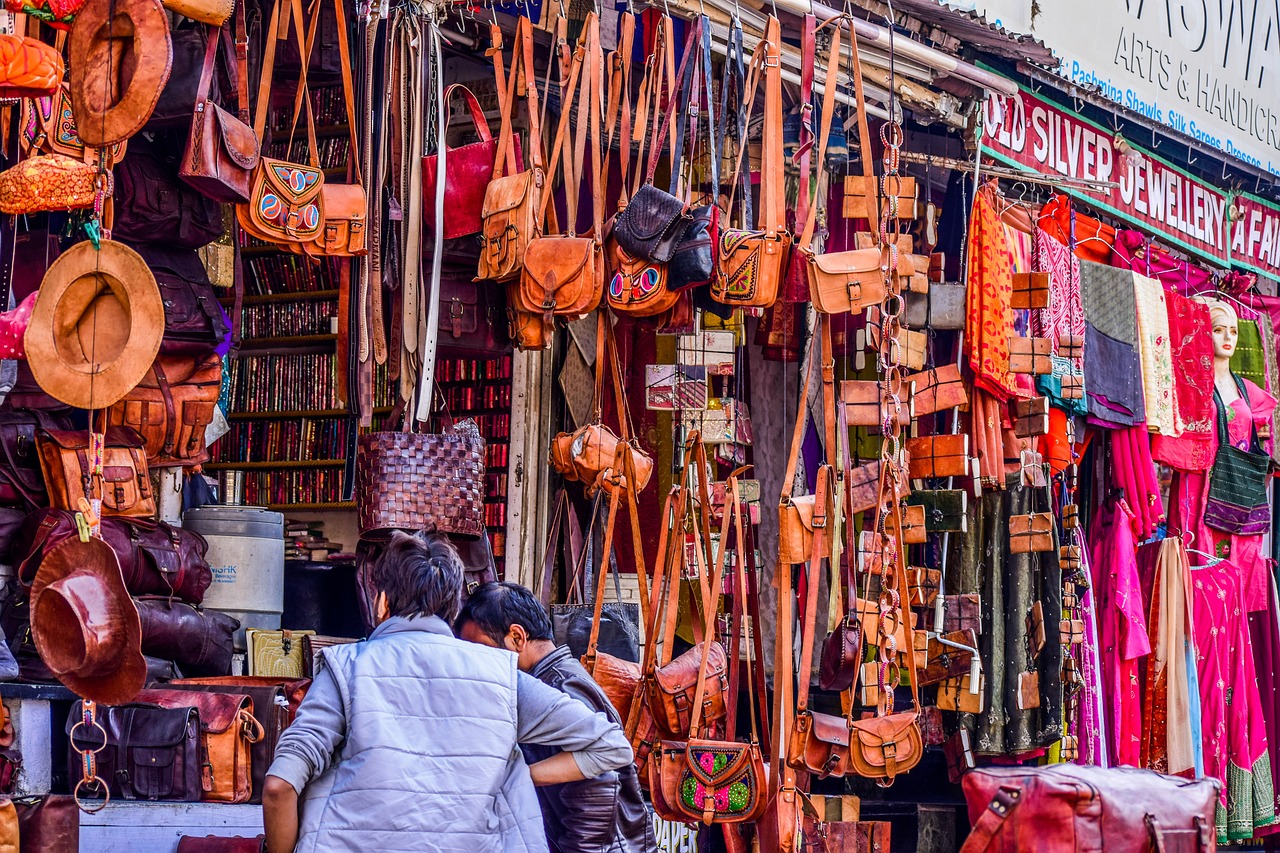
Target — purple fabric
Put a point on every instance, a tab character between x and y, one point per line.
1112	381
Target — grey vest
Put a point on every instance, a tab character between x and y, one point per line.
430	759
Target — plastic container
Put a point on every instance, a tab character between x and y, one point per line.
246	554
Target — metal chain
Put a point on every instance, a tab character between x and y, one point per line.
90	782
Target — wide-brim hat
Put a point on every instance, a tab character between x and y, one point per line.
96	327
121	55
84	623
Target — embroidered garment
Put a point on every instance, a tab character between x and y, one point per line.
1090	722
1248	359
1065	314
1134	251
1113	380
989	315
1157	357
1267	326
1235	740
1191	348
1166	739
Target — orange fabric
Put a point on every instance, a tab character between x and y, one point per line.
1054	446
989	314
1094	239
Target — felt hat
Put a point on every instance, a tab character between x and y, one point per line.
85	626
121	54
97	325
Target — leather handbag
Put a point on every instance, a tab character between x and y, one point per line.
49	127
468	170
228	731
155	558
199	641
274	704
222	149
513	205
938	456
221	844
50	824
1237	501
1064	807
21	480
862	404
278	654
125	485
798	518
154	207
171	408
421	481
194	321
937	389
285	206
563	275
151	753
751	263
653	223
637	286
825	832
48	183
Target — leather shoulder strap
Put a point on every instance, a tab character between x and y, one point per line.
984	830
773	217
828	109
864	131
809	624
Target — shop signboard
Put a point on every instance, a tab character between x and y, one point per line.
1255	235
1208	70
1029	132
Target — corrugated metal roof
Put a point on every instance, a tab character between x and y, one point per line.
974	29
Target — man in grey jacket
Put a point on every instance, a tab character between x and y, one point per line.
606	814
408	741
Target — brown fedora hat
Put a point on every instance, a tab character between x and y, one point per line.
121	54
85	626
96	327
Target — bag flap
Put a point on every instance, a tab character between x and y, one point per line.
550	262
117	473
163	554
509	192
841	264
804	506
149	726
737	250
875	733
238	139
682	673
66	439
650	214
294	182
829	728
701	755
343	201
217	711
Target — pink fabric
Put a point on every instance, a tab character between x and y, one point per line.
1123	626
1191	342
1190	491
1135	473
1133	251
1065	315
1090	722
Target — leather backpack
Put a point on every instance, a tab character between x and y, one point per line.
21	481
195	323
171	407
154	207
125	485
752	263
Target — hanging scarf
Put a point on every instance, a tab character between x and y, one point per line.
1157	357
989	313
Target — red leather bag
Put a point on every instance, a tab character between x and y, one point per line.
221	844
468	169
1067	808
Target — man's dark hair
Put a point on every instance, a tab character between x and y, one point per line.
495	607
421	575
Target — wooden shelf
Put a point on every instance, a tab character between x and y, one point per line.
313	506
270	298
286	340
271	466
302	413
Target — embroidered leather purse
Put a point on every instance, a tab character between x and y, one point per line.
752	263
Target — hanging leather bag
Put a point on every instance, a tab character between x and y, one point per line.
752	263
21	481
150	753
171	407
125	485
228	731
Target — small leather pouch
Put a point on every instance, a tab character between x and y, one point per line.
942	307
861	399
914	531
957	694
944	661
958	753
962	612
1036	629
1070	516
1030	290
1070	748
1030	533
864	487
945	510
911	346
1071	346
1028	691
938	389
1030	355
867	240
1031	417
1071	631
840	282
1069	558
938	456
858	188
797	519
923	585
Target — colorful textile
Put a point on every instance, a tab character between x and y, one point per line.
1122	628
1065	314
1166	739
1191	343
1267	326
1088	238
1134	251
1235	739
994	444
1113	380
1248	360
1156	354
1135	474
990	291
1090	722
1264	634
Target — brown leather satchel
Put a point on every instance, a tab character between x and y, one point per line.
752	263
937	456
228	730
222	148
938	389
798	518
125	484
171	408
512	212
1030	532
563	275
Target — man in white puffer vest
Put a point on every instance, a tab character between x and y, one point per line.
408	741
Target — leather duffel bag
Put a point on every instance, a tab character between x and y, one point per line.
199	641
171	407
228	731
155	558
1065	807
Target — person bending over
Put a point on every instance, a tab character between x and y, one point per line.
408	741
606	813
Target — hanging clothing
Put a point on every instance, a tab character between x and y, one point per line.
1135	252
1065	314
989	313
1167	744
1089	238
1090	716
1267	326
1190	490
994	444
1157	356
1248	359
1191	348
1122	626
1112	380
1235	740
1264	635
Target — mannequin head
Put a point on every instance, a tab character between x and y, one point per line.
1226	330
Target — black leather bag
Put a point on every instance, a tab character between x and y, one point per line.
194	322
151	753
652	224
154	206
21	481
694	261
177	102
